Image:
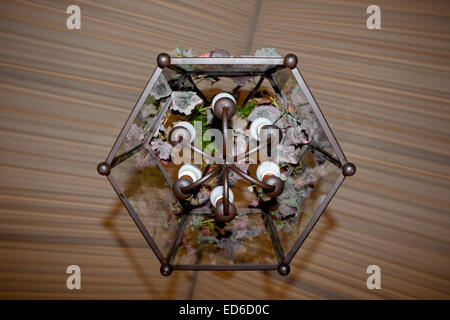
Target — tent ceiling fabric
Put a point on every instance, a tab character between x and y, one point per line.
65	94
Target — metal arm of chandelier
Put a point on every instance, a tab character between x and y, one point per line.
190	178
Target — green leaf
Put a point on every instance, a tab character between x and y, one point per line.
245	110
151	100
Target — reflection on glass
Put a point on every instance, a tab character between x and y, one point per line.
151	197
244	240
298	105
309	180
140	128
306	186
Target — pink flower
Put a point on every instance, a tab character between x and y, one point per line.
306	141
190	250
291	109
241	233
205	231
254	203
162	149
205	55
241	223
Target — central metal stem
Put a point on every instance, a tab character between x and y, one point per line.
226	191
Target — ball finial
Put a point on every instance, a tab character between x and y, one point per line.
290	61
178	185
163	60
103	168
221	215
284	269
277	183
348	169
166	269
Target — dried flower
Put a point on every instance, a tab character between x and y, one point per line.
187	52
294	135
297	96
172	204
230	245
254	203
266	52
287	154
149	110
185	101
161	148
241	222
248	233
267	111
209	116
135	133
210	239
161	89
190	250
241	81
205	231
238	124
201	198
220	53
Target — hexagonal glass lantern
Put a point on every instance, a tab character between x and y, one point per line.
224	204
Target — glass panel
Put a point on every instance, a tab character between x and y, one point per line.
154	102
301	116
148	192
308	180
226	67
244	240
305	188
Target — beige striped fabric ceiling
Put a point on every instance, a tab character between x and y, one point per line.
66	93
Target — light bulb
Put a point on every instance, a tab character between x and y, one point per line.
222	95
256	126
267	167
190	171
217	194
179	131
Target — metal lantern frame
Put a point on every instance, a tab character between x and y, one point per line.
176	64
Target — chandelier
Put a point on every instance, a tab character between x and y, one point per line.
226	163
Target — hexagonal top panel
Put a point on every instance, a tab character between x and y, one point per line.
227	65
